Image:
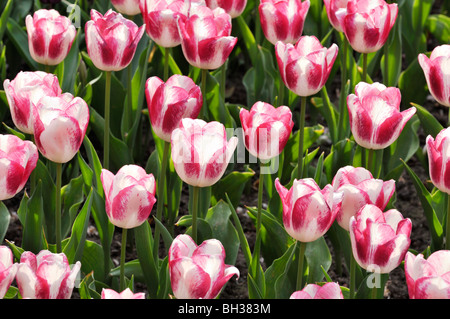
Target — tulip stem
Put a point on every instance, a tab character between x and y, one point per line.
107	120
166	63
386	63
204	107
447	235
259	213
122	259
58	207
160	203
280	91
352	277
301	257
342	105
364	74
195	212
301	137
129	95
370	162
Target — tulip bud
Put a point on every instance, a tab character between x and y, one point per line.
60	124
46	275
8	270
205	37
18	159
438	161
305	66
283	20
26	90
126	294
379	240
128	7
201	152
129	195
374	114
330	290
170	102
266	129
111	40
428	278
437	75
198	272
360	188
308	211
50	36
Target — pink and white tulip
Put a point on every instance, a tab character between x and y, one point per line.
308	211
436	69
46	275
283	20
333	8
360	188
367	23
266	129
60	124
126	294
379	240
305	66
8	270
330	290
18	159
206	38
198	272
50	36
233	7
428	278
111	40
201	152
374	114
179	97
438	159
129	195
127	7
24	91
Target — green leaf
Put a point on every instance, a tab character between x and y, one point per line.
430	124
318	256
439	26
233	184
20	40
32	237
4	220
394	56
4	17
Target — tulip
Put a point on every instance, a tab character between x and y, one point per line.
46	275
128	7
266	129
179	97
428	278
283	20
18	159
436	71
379	240
233	7
126	294
198	271
330	290
24	91
360	188
205	37
333	8
50	36
8	270
374	114
308	213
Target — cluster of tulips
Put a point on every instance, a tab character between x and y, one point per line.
194	147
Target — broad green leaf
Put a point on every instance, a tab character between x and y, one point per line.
318	255
233	184
394	56
32	237
5	217
439	26
430	124
20	40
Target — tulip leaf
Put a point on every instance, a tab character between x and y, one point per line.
20	40
233	184
318	256
394	56
72	198
4	17
412	84
430	124
4	220
204	230
32	237
439	26
92	260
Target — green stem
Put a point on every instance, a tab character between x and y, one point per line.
123	249
386	63
47	68
364	74
107	120
166	63
130	94
370	162
301	257
33	173
204	107
374	292
342	103
195	212
352	276
58	207
447	234
281	91
301	137
223	80
160	203
259	213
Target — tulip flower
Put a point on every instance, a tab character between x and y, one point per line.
360	188
18	159
428	278
126	294
283	20
198	271
50	36
233	7
436	71
24	91
333	8
374	114
8	270
128	7
330	290
46	275
308	213
200	154
379	240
